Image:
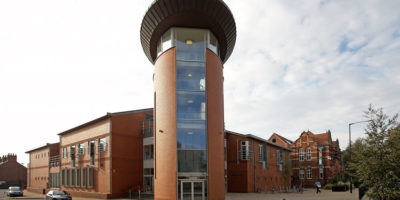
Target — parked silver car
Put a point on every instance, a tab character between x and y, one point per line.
15	191
58	195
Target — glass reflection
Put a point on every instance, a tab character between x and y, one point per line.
190	76
191	105
190	44
192	161
191	134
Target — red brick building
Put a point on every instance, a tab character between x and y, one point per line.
12	173
278	139
255	164
313	158
44	168
103	158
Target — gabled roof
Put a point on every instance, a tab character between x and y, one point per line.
258	138
287	141
41	147
108	115
321	138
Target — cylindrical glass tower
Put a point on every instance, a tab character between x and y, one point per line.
188	41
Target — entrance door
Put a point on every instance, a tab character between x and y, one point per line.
192	190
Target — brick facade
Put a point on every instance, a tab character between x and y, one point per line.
104	158
252	172
12	173
41	165
313	157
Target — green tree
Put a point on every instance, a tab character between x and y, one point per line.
357	146
377	161
287	172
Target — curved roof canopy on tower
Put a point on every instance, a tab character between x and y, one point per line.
209	14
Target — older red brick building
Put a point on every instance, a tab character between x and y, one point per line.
12	173
313	158
278	139
255	164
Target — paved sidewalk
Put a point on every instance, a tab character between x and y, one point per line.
308	194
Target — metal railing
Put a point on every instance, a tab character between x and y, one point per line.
54	161
147	126
245	155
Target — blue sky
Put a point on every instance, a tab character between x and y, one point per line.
297	66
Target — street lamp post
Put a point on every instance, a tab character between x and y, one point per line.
351	178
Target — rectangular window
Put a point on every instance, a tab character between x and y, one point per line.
191	134
309	175
91	149
308	154
260	153
73	177
301	155
190	76
102	145
148	152
190	44
321	173
245	153
191	105
90	177
263	155
63	182
81	150
148	171
301	173
68	177
73	147
84	177
78	177
65	152
192	160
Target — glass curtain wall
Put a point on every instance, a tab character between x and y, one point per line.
191	105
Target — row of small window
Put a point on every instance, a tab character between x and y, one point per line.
41	155
41	178
77	177
102	146
301	154
309	173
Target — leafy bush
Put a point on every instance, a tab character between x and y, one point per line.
328	186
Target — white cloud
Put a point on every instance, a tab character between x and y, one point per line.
65	63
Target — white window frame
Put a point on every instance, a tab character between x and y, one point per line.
261	153
301	173
301	155
65	152
81	149
245	150
309	173
102	144
308	154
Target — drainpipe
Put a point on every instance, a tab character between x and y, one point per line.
237	151
254	165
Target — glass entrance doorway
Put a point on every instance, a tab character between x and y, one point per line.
192	190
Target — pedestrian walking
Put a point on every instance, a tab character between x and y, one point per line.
317	186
